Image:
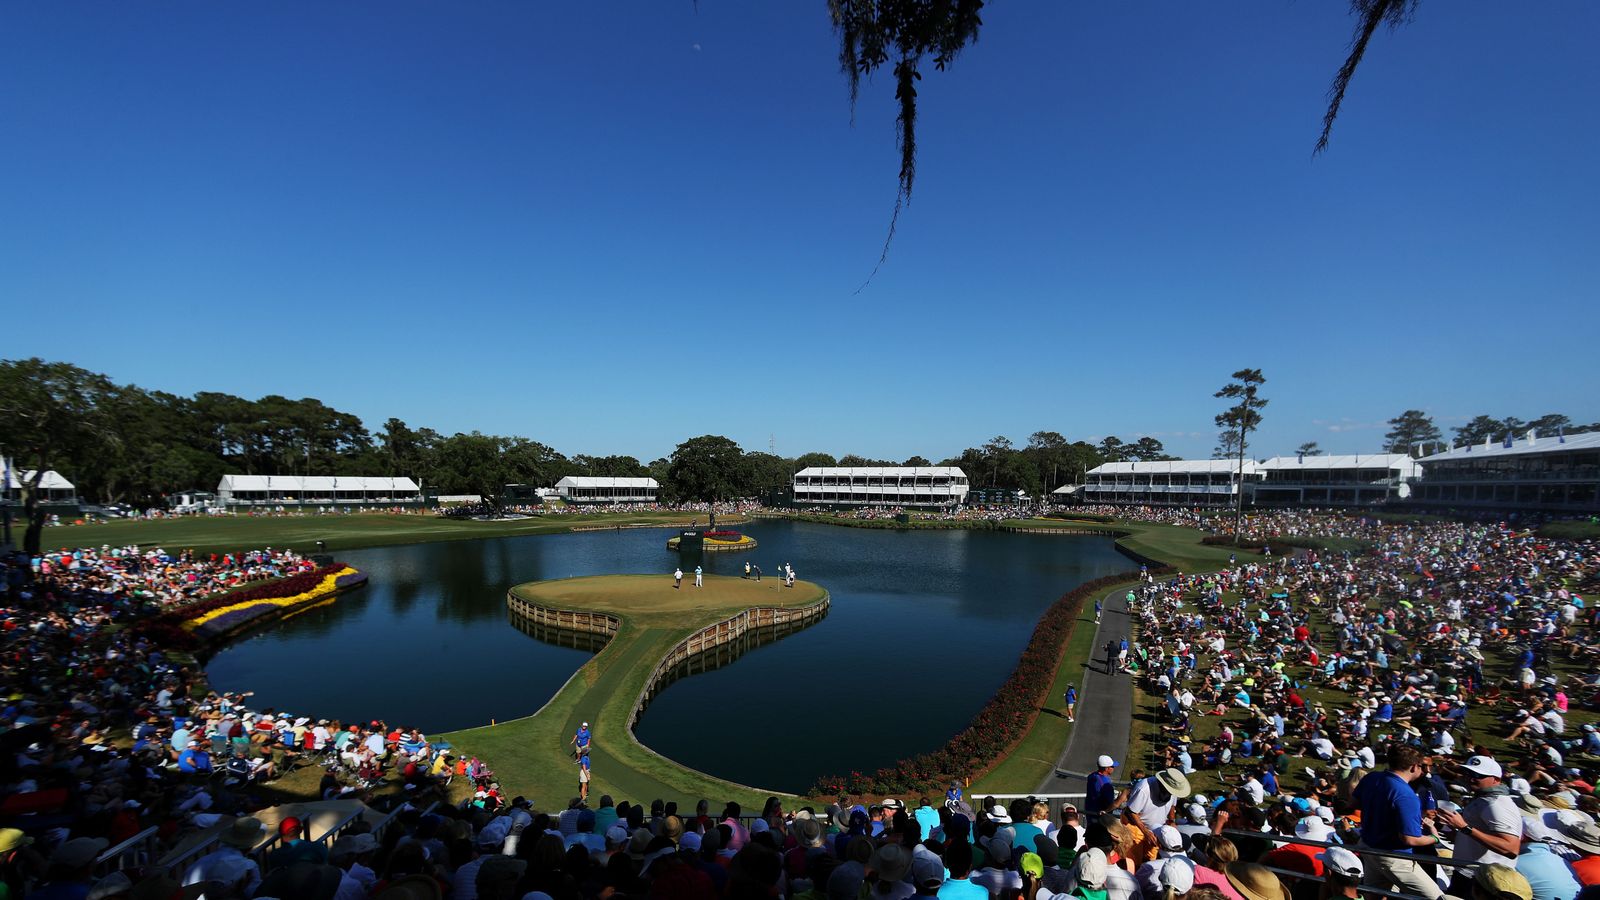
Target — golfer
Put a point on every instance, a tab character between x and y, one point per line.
677	578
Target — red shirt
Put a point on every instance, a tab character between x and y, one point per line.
1587	870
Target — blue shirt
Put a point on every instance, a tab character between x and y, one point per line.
1072	695
1547	873
1099	794
1390	811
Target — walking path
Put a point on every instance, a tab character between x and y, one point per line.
1105	706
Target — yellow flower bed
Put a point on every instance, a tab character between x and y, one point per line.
744	539
326	586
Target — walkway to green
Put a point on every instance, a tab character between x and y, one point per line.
1105	705
532	756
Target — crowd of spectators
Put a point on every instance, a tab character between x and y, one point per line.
1433	697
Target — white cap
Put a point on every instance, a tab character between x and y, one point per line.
1482	765
1105	762
1342	861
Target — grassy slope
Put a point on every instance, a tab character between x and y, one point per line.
340	532
531	755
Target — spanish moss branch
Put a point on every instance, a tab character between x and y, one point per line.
1373	13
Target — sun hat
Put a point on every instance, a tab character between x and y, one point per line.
78	852
892	803
244	833
1312	828
1174	781
999	847
998	814
354	845
1503	882
1256	882
1092	868
1530	804
497	871
1482	765
1105	762
891	862
1169	838
1584	836
808	832
1325	813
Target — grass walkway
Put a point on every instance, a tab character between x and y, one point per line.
220	534
532	755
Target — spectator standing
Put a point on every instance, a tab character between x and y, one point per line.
1391	820
1489	829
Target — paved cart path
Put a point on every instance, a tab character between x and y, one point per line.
1105	706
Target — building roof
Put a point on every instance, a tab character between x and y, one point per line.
593	481
1588	440
52	480
270	483
1345	461
880	471
1190	466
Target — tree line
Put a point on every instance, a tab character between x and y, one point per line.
124	443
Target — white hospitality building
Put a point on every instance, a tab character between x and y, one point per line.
607	489
321	490
882	485
1555	472
1176	482
1341	480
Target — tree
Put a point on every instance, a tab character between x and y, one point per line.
996	455
1477	430
917	461
1243	417
49	412
1549	424
1112	449
808	460
873	34
1370	14
711	468
768	472
1309	448
1409	431
1148	449
1227	444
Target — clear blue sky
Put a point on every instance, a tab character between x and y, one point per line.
612	226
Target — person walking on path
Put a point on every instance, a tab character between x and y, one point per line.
1098	608
677	578
1111	656
583	777
1071	698
1122	655
580	741
788	575
699	578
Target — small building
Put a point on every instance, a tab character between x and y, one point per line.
1362	478
53	488
607	489
881	485
1185	482
526	494
319	490
1554	473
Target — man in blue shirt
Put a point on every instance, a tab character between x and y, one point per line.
1071	698
1100	794
1548	874
1391	820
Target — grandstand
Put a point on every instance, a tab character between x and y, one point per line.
306	490
1560	473
607	489
1187	482
1335	480
881	485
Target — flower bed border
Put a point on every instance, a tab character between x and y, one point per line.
184	627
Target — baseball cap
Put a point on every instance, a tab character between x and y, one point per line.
1105	762
1483	765
1342	861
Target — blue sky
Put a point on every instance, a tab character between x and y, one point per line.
613	226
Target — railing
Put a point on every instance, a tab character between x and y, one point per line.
1363	852
134	852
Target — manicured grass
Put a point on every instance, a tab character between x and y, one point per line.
1571	530
532	755
219	534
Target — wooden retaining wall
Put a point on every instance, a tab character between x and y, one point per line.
564	619
719	634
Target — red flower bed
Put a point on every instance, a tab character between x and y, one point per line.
1004	720
723	535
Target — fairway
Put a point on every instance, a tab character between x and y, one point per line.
340	531
531	755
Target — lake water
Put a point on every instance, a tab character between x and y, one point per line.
923	627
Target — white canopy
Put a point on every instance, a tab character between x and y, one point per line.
1346	461
1587	440
372	484
1174	466
884	471
602	481
52	480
